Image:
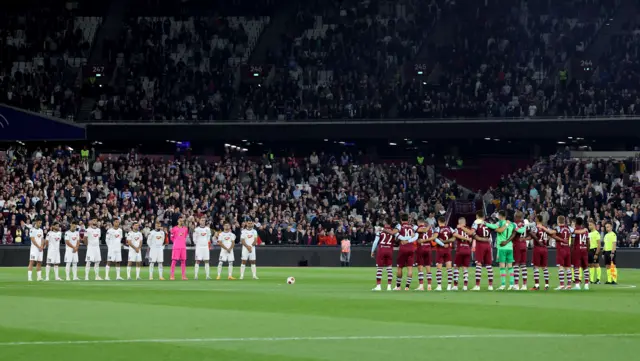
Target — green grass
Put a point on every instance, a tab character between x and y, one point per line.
329	314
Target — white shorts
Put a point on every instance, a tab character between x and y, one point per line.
135	256
53	256
114	255
226	256
93	255
246	255
36	255
156	255
70	257
203	254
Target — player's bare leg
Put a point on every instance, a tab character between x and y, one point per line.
253	269
449	275
398	278
30	271
409	278
439	276
523	276
243	265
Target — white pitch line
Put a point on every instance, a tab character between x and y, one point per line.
311	338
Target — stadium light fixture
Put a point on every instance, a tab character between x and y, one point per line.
391	143
561	142
487	138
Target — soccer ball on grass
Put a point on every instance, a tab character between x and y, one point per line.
291	280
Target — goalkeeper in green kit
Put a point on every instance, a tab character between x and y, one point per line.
504	229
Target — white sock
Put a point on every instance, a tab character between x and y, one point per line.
75	270
160	270
96	269
117	271
39	274
150	269
242	267
137	271
197	269
87	269
30	275
206	270
47	270
219	268
128	272
106	271
55	271
67	270
230	269
253	269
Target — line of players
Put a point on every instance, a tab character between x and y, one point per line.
202	236
418	243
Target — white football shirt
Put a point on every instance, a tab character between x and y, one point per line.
135	239
228	239
114	237
72	238
155	239
202	236
54	240
38	234
250	236
93	237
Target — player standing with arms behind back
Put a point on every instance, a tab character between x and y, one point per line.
92	239
249	238
53	251
179	251
72	241
155	241
202	239
114	249
483	251
226	240
36	252
134	241
384	257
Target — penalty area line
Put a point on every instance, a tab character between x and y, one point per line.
312	338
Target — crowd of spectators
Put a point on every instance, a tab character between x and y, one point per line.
311	200
596	190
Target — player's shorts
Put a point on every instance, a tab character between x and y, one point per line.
484	254
135	256
156	255
540	257
593	258
179	254
443	255
423	256
384	257
114	254
563	257
462	259
203	254
248	256
226	256
93	255
505	256
53	256
405	257
580	258
345	256
520	254
70	256
36	255
608	258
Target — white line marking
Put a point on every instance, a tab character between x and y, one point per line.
310	338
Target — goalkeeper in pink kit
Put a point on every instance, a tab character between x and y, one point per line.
179	252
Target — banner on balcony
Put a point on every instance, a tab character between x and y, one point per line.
17	124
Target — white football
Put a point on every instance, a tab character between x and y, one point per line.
291	280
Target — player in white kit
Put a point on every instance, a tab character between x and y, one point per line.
92	240
134	241
37	249
202	240
155	241
53	251
114	249
72	241
248	238
226	240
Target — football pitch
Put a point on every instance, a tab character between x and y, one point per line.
329	314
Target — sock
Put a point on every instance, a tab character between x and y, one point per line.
456	276
598	273
117	271
478	275
421	278
580	273
503	276
592	274
75	270
106	271
576	275
160	270
128	272
137	272
429	278
389	275
561	277
67	270
536	277
408	284
196	269
524	274
615	275
378	276
87	269
219	268
242	268
546	277
609	279
449	276
96	269
490	274
183	268
568	277
173	268
39	273
207	268
30	275
55	271
230	269
439	276
466	277
253	270
47	271
398	281
511	276
587	276
151	270
516	275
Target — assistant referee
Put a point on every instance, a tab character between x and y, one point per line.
594	254
610	241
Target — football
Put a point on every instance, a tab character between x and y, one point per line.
291	280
